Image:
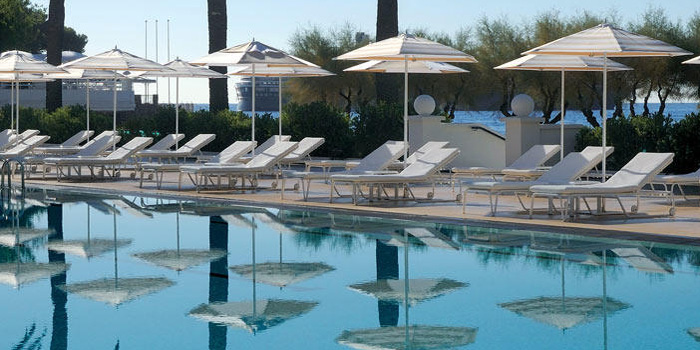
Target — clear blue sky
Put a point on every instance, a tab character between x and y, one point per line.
110	23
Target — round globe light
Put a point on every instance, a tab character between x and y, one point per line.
424	105
522	105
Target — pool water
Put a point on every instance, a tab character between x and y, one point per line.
96	272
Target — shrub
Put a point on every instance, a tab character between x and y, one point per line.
321	120
374	124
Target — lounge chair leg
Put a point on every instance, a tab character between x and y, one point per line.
624	211
464	201
332	187
532	204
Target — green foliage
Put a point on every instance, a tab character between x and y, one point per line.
321	120
22	28
654	133
374	124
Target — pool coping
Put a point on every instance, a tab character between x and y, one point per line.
544	228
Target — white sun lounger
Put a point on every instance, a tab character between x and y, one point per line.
264	146
627	181
10	139
572	167
526	166
427	147
263	163
164	144
188	150
420	171
7	136
73	141
24	147
98	145
115	159
672	181
306	146
373	163
226	157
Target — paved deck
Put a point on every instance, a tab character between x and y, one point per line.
683	228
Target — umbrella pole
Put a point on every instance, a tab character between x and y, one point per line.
279	92
114	219
177	232
405	284
177	110
17	110
114	114
605	110
12	105
252	228
252	137
561	110
87	106
605	304
405	110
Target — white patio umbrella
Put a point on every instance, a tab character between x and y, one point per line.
311	70
87	75
605	41
16	79
115	60
563	64
255	55
182	69
407	48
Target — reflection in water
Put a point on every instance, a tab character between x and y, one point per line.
695	333
254	316
116	291
565	312
387	261
218	278
59	333
281	274
419	290
411	337
88	248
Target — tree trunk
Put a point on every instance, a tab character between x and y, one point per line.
218	88
388	86
646	102
54	37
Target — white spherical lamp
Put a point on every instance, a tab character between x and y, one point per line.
522	105
424	105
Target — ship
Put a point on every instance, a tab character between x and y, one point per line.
266	94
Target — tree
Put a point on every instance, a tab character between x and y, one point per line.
54	47
218	88
20	23
387	86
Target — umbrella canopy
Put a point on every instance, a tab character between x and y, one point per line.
253	316
281	274
562	63
11	237
414	67
181	259
116	291
254	55
564	312
419	289
417	337
695	60
181	69
115	60
17	274
23	62
87	248
695	333
607	41
406	48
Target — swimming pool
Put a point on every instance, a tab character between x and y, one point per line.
104	272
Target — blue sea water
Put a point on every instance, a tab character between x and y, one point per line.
492	119
340	284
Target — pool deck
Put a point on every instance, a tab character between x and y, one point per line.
652	223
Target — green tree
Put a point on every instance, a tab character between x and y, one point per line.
20	23
218	88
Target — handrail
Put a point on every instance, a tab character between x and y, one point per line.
479	127
7	164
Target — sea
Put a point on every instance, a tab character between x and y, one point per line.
493	119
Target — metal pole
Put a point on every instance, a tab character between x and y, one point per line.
17	109
168	50
405	110
156	34
12	105
562	111
177	110
114	114
605	109
405	285
87	106
254	281
279	90
253	107
146	84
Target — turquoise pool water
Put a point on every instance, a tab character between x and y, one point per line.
144	273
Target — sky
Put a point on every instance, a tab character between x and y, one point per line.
122	23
